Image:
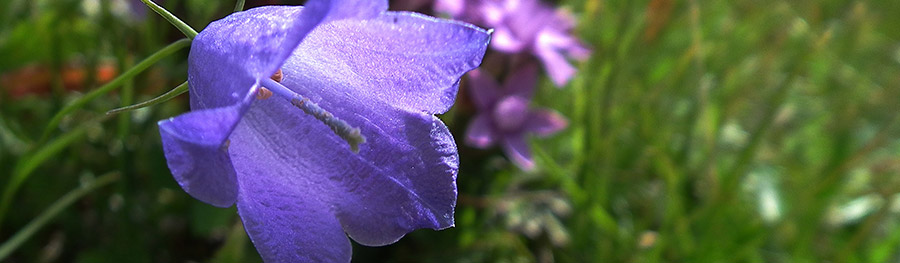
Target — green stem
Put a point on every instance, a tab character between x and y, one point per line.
26	232
29	163
162	98
127	98
143	65
239	6
187	30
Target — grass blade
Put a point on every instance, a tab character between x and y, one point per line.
180	89
57	207
140	67
187	30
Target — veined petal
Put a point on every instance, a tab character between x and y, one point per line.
286	220
297	184
397	199
404	175
407	60
231	54
343	9
226	60
197	153
402	179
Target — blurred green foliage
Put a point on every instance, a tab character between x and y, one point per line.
700	131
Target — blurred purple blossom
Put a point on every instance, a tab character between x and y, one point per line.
504	115
139	9
412	5
525	26
297	186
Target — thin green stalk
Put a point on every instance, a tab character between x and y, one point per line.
700	94
180	89
127	98
732	178
239	6
57	207
878	141
187	30
140	67
29	163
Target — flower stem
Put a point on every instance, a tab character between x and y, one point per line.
65	201
239	6
143	65
180	89
181	25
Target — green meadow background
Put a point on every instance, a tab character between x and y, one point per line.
700	131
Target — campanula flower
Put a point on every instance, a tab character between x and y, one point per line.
525	26
504	116
354	70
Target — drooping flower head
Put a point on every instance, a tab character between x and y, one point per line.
525	26
504	116
299	188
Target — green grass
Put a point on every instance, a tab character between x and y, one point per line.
700	131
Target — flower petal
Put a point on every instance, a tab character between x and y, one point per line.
286	224
196	153
454	8
226	59
399	199
343	9
231	54
516	148
480	133
505	41
405	59
545	122
522	81
554	62
483	90
402	179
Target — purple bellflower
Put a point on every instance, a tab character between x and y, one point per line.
299	189
504	115
525	26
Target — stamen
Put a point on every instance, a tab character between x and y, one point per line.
225	145
278	76
341	128
263	93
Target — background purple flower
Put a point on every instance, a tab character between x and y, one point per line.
297	185
504	115
525	26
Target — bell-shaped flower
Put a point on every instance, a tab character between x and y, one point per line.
349	70
525	26
504	116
